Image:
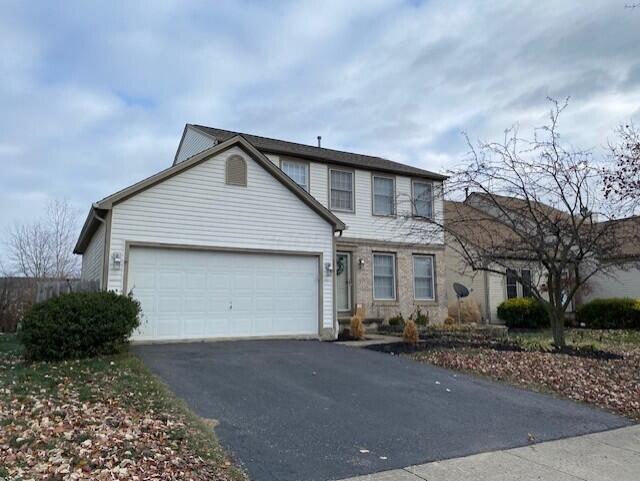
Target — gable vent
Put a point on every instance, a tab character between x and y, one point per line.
236	171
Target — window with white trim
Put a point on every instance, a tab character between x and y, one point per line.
341	189
423	199
423	278
298	171
384	277
384	193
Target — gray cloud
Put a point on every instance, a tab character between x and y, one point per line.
95	95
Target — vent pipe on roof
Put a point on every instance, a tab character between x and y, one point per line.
319	141
466	192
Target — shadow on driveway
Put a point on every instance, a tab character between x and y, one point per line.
307	410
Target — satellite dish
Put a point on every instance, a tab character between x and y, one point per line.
461	291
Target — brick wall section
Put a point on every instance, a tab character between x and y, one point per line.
405	303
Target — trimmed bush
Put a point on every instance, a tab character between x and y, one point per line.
523	313
78	325
614	313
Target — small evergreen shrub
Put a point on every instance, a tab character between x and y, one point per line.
397	320
421	318
78	325
523	313
614	313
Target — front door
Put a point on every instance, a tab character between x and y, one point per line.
343	281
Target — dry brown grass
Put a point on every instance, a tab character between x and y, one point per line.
410	334
469	311
357	324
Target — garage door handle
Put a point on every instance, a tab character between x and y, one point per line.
230	305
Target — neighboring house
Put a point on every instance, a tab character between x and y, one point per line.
245	236
488	289
624	280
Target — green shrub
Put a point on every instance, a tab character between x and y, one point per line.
523	313
397	320
614	313
78	325
421	318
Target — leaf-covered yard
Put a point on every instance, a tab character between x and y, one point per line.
103	418
609	382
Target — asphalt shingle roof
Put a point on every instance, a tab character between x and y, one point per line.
321	154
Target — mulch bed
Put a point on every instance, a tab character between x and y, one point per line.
609	380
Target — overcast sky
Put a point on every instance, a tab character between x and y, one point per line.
94	95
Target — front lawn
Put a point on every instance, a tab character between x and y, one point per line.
102	418
602	368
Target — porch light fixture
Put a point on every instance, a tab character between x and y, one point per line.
361	262
116	260
328	267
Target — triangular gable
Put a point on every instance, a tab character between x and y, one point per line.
108	202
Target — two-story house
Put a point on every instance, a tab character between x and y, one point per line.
246	236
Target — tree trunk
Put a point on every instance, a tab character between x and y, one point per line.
557	328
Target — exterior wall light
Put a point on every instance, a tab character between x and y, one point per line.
361	262
328	267
116	260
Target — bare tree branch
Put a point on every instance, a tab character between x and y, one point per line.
44	248
538	202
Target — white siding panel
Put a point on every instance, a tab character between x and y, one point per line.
619	283
197	208
92	259
193	143
362	224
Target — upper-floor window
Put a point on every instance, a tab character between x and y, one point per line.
236	171
341	190
298	171
383	195
422	199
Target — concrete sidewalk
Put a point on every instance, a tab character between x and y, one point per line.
611	455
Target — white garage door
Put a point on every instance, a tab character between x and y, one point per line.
192	294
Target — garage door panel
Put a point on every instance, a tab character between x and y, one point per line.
169	304
187	294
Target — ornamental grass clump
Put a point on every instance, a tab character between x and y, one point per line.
357	325
410	334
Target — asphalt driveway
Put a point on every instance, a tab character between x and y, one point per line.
307	411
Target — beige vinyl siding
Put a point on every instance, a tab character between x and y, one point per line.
618	283
197	208
193	143
458	271
93	257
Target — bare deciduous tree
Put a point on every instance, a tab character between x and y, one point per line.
540	202
44	248
622	179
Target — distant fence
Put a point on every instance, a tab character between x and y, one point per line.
17	295
50	289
